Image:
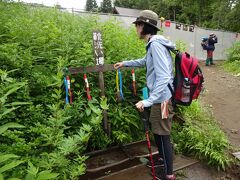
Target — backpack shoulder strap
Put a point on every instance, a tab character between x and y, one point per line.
175	51
171	89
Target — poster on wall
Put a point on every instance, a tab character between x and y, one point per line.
238	36
167	23
191	28
185	27
178	26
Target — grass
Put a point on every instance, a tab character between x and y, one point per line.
232	67
201	136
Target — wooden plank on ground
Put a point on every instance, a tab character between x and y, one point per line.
142	172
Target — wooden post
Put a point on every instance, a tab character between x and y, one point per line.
99	58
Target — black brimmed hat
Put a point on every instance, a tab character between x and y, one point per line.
149	17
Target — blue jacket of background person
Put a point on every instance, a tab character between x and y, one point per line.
211	41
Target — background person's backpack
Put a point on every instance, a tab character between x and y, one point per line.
188	80
204	43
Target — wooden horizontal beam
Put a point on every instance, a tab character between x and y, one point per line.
97	68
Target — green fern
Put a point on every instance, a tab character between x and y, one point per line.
34	174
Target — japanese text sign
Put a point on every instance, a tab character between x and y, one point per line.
98	47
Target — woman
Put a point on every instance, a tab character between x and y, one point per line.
159	75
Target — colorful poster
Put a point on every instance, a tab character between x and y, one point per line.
167	23
185	27
238	36
178	26
191	28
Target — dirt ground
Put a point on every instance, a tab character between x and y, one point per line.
221	94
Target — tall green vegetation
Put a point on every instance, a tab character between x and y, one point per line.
217	14
8	86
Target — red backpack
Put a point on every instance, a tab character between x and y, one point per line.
188	80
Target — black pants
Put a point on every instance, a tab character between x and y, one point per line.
165	150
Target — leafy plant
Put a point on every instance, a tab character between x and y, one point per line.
233	62
34	174
7	163
8	86
202	137
233	52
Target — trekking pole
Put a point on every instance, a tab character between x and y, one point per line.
145	119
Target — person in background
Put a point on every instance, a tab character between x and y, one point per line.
210	48
159	75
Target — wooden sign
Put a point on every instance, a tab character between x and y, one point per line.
99	68
99	59
98	47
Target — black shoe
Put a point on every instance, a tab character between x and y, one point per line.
159	173
157	163
212	63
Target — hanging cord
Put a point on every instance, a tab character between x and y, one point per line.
134	83
117	82
69	88
67	84
120	85
66	90
118	98
87	88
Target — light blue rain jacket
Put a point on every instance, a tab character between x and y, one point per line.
159	65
